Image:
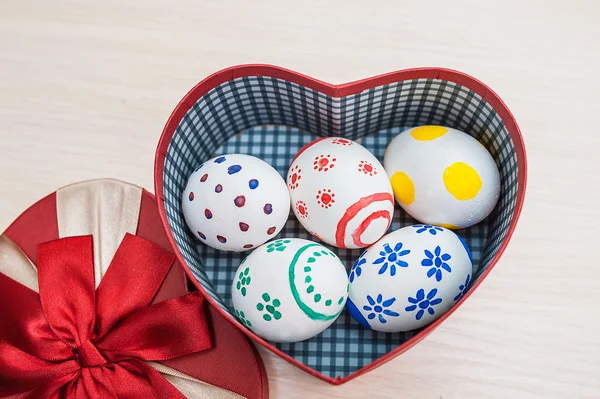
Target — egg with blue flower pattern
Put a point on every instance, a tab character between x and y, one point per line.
235	202
409	278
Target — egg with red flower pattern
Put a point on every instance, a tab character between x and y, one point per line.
235	202
340	192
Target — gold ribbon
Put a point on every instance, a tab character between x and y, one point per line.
193	388
105	209
16	265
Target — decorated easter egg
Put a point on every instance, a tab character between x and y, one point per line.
409	278
442	176
289	290
235	202
340	192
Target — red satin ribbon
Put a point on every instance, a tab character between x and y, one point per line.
72	340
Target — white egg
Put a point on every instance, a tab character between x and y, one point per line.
409	278
289	290
340	192
442	176
235	202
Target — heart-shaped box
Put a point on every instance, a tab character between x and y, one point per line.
268	112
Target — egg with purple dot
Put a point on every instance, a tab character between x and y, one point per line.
235	202
409	278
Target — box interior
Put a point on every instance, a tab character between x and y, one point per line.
272	119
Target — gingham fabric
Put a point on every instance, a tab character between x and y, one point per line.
272	119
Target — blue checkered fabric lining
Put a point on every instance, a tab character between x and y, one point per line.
272	119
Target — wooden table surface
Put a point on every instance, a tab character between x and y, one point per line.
86	87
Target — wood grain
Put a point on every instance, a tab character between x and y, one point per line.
86	87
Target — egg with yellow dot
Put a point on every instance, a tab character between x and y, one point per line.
442	176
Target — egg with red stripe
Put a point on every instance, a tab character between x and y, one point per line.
235	202
442	176
340	192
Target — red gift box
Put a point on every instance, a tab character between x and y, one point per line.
114	316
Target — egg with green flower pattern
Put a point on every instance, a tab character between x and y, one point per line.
289	290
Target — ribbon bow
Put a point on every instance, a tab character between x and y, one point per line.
72	340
